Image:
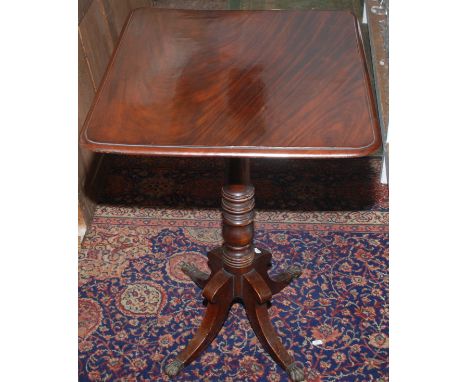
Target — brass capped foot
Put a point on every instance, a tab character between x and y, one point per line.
294	271
198	277
190	269
174	368
296	372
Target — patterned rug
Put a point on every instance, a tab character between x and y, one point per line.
137	309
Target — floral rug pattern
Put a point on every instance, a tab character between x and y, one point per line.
137	309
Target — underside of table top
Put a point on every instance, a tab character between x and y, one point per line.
236	83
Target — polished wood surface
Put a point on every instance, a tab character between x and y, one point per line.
236	83
99	26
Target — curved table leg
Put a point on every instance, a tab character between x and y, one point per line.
263	328
219	294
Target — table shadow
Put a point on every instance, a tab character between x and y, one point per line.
281	184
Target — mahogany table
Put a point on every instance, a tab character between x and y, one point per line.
236	84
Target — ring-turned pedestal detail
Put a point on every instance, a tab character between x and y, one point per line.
237	205
239	273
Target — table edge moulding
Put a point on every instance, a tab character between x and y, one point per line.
277	150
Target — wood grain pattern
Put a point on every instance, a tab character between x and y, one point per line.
100	24
86	87
236	83
354	5
193	4
85	203
116	12
134	4
83	6
378	33
97	40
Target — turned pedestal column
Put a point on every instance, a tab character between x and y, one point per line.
238	274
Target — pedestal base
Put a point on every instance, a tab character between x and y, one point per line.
254	290
239	273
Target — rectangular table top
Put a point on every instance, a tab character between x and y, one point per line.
236	83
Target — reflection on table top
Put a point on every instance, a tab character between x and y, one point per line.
236	83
